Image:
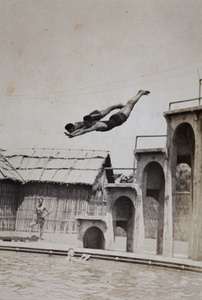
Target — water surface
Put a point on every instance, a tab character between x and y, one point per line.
36	276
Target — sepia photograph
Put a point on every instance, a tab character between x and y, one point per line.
101	149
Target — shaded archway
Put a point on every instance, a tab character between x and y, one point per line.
153	203
123	217
182	181
93	238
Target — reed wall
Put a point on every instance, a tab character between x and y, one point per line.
9	194
182	216
64	202
150	213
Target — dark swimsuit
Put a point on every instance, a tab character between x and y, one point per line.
114	121
96	115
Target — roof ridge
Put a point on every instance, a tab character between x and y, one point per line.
56	149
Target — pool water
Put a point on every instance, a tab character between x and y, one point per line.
36	276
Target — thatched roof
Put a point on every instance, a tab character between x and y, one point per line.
7	171
63	166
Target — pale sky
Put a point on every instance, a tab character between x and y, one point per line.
61	59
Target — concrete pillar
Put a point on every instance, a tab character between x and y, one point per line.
159	248
196	253
109	234
138	240
168	216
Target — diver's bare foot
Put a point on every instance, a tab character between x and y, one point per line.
120	105
144	92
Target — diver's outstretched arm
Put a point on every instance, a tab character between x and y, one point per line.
94	127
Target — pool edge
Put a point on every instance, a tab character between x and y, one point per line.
127	257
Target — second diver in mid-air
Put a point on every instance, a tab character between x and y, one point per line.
93	122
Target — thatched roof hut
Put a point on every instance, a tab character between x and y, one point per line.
59	166
70	181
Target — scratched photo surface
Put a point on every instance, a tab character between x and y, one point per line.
62	59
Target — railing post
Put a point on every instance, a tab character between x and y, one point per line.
188	100
200	80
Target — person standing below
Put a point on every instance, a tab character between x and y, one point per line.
39	217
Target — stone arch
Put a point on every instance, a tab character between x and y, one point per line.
123	213
94	238
182	181
153	189
184	144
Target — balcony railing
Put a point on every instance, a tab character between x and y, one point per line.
198	100
150	141
189	100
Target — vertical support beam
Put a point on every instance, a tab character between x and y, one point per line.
200	82
159	248
196	245
138	240
191	201
168	216
194	251
109	234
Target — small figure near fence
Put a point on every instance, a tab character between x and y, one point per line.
70	256
39	217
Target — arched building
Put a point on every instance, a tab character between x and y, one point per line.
170	179
184	144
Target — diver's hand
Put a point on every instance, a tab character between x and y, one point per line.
68	134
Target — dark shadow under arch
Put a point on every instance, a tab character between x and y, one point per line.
153	203
93	238
182	180
123	217
184	144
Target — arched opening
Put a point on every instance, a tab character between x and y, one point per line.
123	220
153	206
182	174
93	238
